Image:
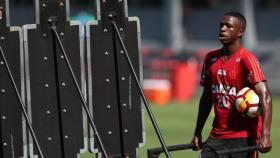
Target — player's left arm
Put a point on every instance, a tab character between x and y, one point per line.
264	94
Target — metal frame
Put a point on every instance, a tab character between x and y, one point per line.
85	106
105	35
46	14
140	89
83	81
19	93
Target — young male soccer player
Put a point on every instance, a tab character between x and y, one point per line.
225	72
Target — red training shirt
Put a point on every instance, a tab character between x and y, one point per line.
226	78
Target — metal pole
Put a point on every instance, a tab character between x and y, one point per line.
22	106
118	95
150	113
237	150
155	152
90	118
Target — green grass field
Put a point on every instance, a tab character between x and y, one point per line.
177	122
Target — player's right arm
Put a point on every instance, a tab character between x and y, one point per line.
205	105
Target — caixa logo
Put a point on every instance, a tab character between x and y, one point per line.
223	89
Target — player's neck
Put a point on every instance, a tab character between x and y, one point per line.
231	49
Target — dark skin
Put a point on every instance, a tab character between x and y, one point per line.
231	32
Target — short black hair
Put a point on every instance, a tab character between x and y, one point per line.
239	16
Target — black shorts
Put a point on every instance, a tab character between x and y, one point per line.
215	144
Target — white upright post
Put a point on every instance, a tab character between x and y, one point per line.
174	19
250	38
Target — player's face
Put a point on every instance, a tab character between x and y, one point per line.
230	30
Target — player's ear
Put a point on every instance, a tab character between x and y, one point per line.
241	32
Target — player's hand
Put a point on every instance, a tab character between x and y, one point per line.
265	144
196	141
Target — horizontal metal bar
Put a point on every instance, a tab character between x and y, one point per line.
155	152
238	150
